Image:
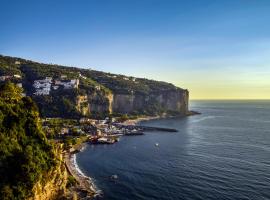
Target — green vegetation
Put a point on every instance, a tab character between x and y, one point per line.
62	104
96	85
71	181
108	82
74	142
26	156
8	66
121	84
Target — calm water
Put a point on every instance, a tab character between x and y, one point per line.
222	154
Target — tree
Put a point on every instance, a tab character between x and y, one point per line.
25	154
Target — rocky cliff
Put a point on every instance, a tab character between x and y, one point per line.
55	186
97	94
169	101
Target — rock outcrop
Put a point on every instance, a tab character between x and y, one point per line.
55	185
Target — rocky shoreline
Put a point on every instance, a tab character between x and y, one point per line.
85	187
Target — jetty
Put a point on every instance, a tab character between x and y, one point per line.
150	128
144	128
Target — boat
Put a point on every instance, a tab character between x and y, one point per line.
104	140
134	132
114	177
157	144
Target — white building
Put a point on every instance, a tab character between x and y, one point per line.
19	85
55	87
97	87
80	75
17	76
43	87
73	83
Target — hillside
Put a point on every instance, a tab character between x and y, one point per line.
27	160
61	91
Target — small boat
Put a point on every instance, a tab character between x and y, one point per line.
114	177
134	132
157	144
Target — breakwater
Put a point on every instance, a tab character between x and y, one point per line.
145	128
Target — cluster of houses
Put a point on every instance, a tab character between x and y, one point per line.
44	86
101	131
9	77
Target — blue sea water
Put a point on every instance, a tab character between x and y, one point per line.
222	154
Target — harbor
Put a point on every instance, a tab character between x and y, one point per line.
125	130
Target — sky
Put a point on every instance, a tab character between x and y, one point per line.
215	49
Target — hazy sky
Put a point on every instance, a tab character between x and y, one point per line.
217	49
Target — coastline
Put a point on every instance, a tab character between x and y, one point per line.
134	122
85	187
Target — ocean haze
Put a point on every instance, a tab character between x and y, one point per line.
221	154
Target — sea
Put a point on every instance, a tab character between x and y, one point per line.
224	153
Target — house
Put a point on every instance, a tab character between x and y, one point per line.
84	120
99	133
3	78
80	75
17	76
55	87
97	87
17	62
68	84
19	85
42	87
57	82
43	91
64	131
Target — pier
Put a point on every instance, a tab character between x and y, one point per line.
144	128
150	128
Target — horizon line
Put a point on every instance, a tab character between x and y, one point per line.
230	99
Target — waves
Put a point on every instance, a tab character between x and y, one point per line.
93	187
74	158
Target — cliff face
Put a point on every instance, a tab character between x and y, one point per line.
168	101
54	187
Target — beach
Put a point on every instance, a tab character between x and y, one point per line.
85	187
